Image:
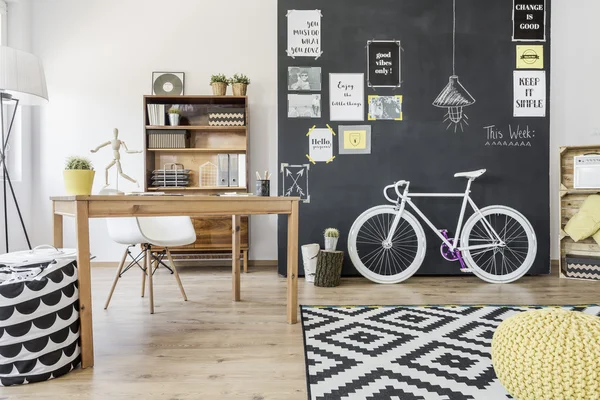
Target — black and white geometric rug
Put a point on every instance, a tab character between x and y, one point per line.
405	352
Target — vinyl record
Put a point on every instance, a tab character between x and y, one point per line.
168	85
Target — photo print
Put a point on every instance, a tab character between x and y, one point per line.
304	106
385	108
304	79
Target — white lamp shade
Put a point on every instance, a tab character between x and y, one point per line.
22	76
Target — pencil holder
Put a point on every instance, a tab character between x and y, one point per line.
263	187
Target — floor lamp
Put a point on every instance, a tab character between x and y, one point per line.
22	81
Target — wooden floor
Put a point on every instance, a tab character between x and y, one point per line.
211	348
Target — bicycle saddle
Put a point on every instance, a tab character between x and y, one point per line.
470	174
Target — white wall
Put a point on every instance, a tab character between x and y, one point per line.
574	103
19	36
99	56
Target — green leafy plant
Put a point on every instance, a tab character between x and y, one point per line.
174	110
75	162
240	78
331	232
219	78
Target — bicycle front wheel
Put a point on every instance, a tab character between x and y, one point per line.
499	264
383	263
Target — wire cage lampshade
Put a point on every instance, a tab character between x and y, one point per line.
454	97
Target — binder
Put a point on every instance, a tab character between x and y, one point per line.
242	170
233	170
223	169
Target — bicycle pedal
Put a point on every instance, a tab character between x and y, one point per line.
467	270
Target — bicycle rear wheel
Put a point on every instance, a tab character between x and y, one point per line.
378	262
502	264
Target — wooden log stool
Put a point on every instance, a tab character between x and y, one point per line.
329	268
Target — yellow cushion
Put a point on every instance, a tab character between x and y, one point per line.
548	354
587	220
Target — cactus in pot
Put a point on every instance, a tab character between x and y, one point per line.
331	238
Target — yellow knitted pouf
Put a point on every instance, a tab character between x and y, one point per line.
549	354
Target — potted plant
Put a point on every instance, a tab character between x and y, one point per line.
219	84
174	114
331	238
239	84
78	176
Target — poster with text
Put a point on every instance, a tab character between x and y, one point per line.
530	56
529	20
304	33
529	94
383	63
320	147
346	97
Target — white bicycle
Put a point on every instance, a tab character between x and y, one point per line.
387	243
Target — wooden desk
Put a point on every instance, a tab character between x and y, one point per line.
85	207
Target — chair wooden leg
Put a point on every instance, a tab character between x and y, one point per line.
144	275
245	254
176	274
150	287
117	276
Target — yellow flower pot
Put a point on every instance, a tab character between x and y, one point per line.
78	181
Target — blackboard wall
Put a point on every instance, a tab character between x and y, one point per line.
419	148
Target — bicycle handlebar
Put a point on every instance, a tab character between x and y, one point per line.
395	186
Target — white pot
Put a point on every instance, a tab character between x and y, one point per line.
330	243
309	259
174	119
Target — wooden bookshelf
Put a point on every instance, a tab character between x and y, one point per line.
205	143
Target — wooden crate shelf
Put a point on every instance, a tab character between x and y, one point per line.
570	200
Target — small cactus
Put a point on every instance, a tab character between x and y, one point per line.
75	162
331	232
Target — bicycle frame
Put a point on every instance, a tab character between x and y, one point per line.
405	198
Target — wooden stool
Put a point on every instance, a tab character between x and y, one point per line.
329	268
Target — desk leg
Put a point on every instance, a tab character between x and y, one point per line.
235	256
85	283
58	231
292	265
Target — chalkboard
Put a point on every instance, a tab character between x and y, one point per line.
469	94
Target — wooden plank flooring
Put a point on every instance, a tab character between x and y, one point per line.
212	348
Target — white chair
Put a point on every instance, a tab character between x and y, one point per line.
163	232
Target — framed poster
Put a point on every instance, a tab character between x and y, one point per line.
529	20
320	145
304	33
354	139
385	108
346	97
304	79
304	106
383	63
529	94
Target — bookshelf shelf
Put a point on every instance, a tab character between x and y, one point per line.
199	128
201	150
204	145
204	188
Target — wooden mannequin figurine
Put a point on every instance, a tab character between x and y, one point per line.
116	146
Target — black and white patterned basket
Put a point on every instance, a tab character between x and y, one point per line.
583	268
226	116
39	322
